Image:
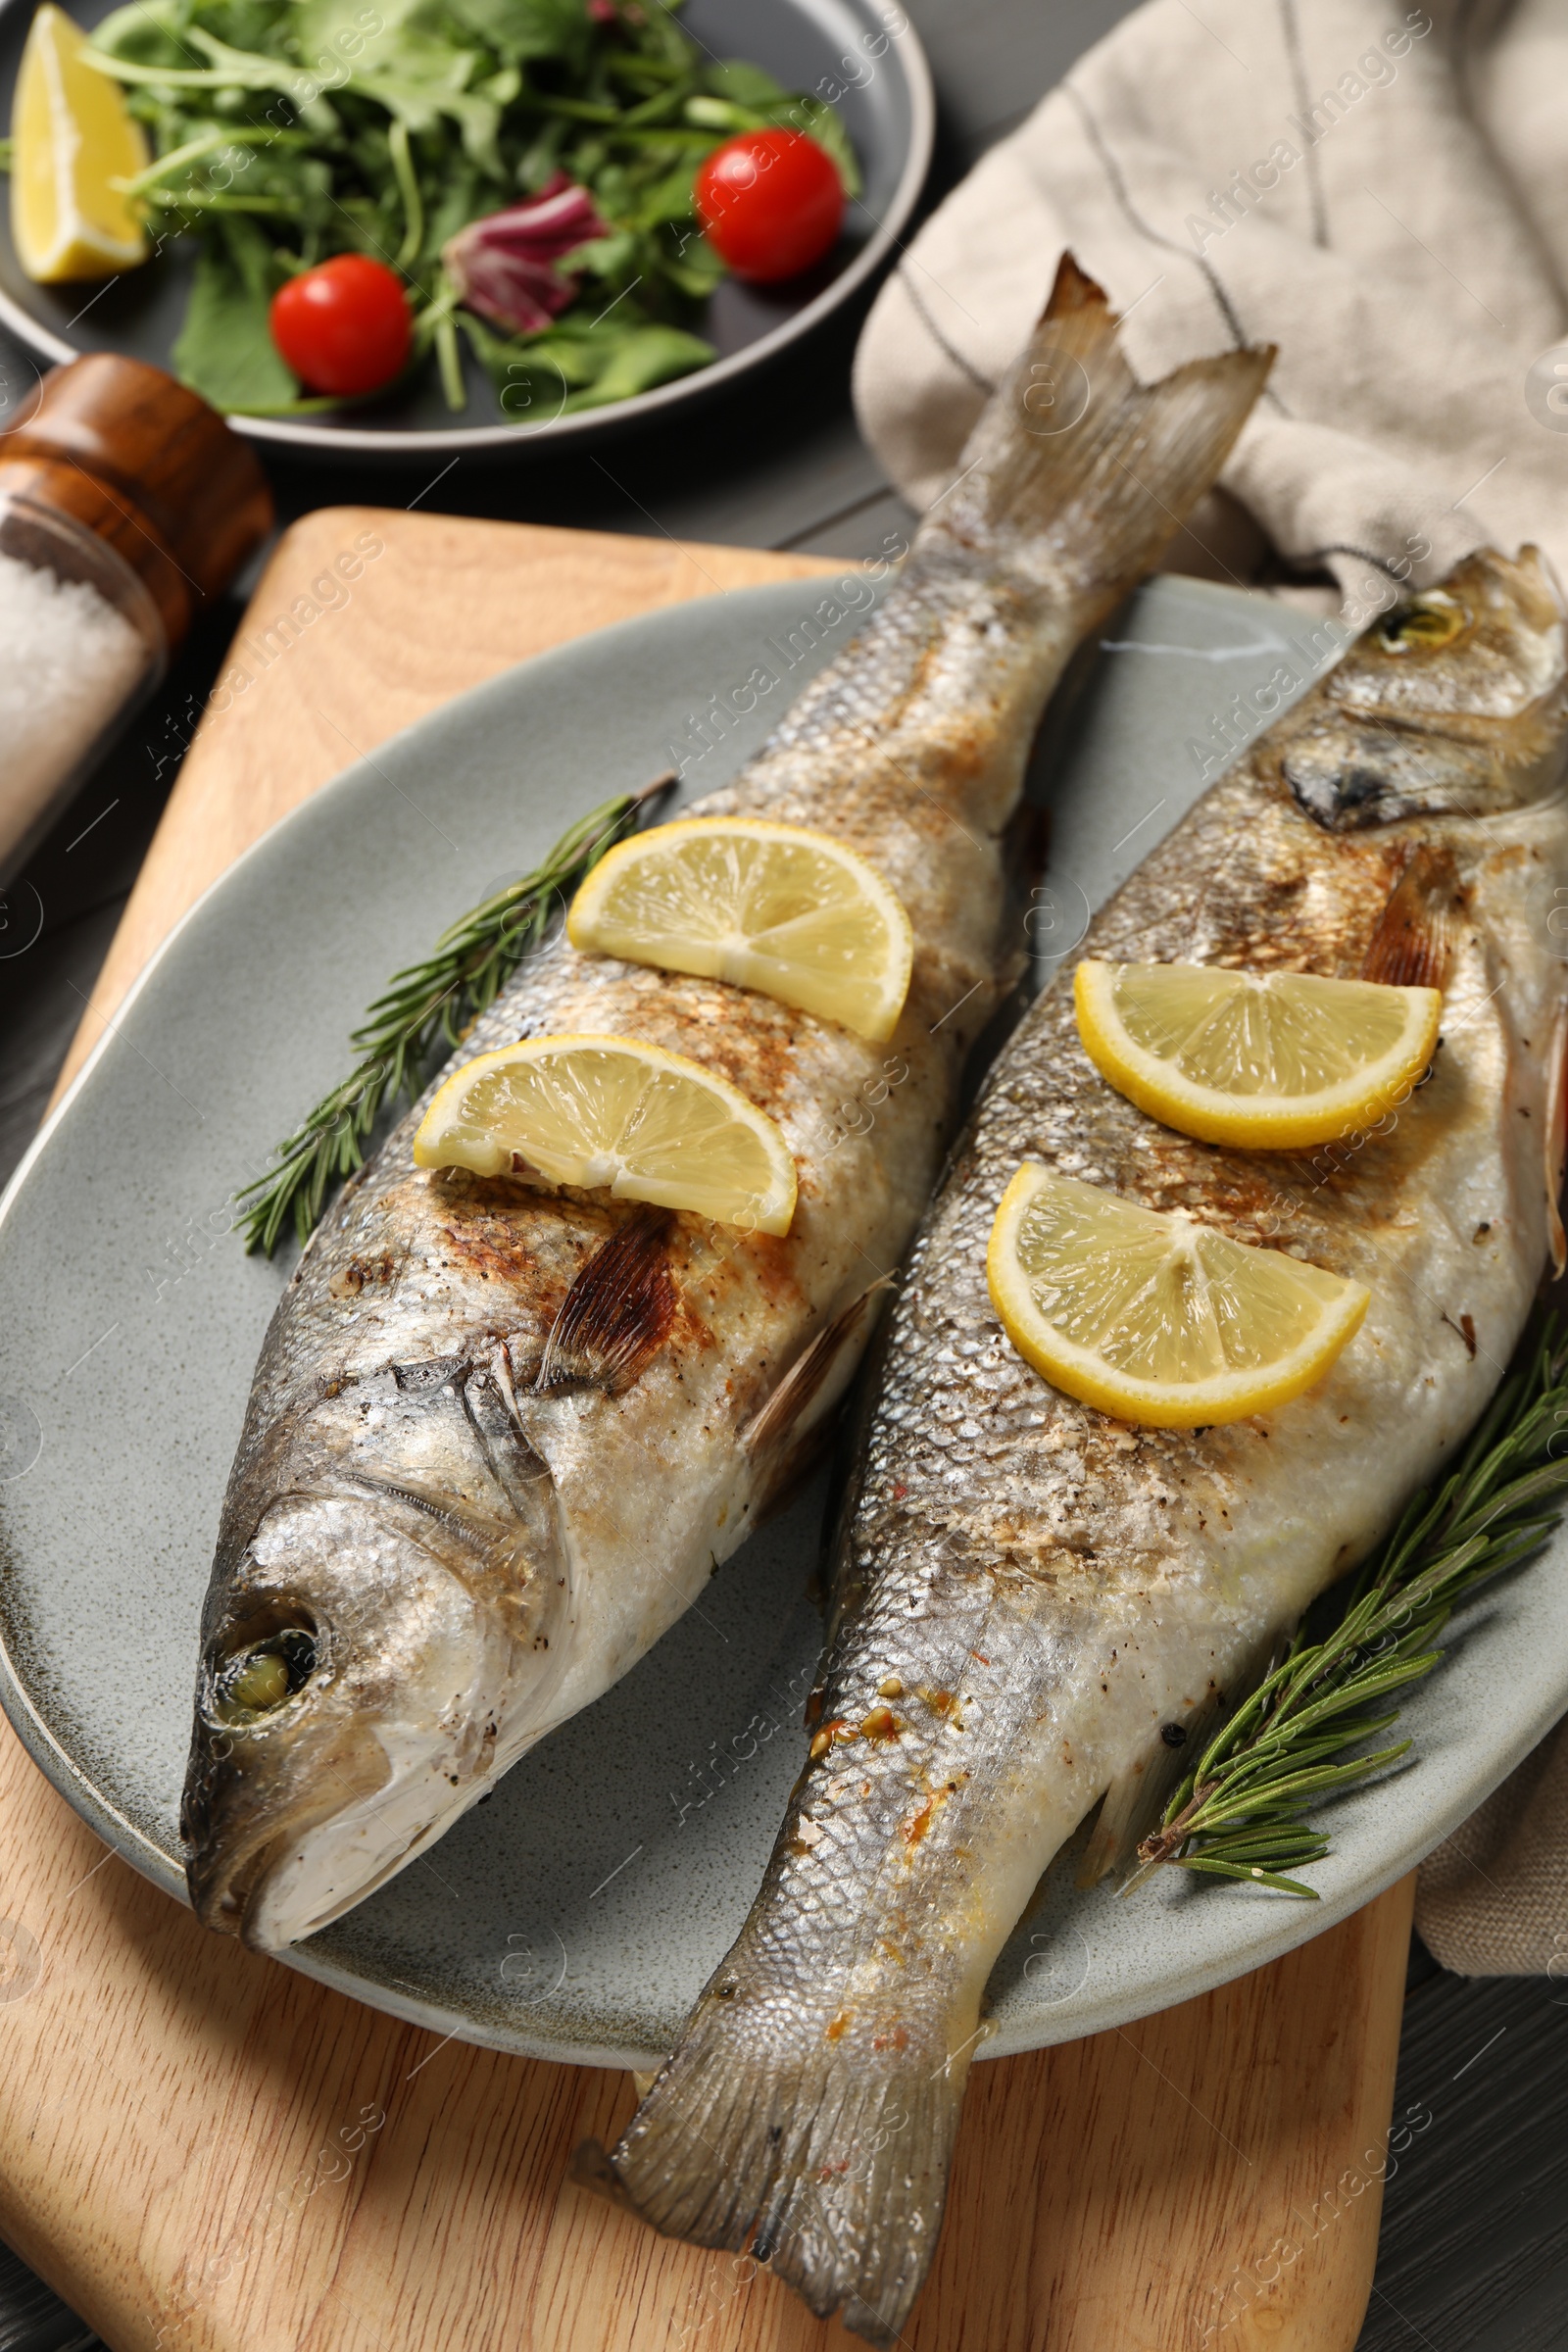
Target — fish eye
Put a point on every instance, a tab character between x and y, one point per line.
260	1668
1421	625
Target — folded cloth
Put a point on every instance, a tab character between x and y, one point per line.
1383	192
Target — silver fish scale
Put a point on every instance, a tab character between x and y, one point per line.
479	1520
809	2112
1028	1588
983	1443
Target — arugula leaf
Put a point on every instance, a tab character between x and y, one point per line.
609	258
664	36
639	357
249	23
669	199
410	38
696	268
541	158
419	104
146	33
521	29
225	351
742	85
819	122
563	369
456	201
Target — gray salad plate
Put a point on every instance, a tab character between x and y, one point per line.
861	55
576	1912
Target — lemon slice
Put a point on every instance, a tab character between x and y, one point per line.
790	912
1272	1060
73	137
1156	1317
617	1112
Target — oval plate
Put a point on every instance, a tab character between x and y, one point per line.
577	1912
867	49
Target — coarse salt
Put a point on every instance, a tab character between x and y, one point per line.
68	664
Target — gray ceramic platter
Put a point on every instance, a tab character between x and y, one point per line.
862	55
574	1914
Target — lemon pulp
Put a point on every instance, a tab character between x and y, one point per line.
1154	1317
74	137
618	1113
1275	1060
792	913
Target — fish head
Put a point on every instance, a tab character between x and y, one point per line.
1454	702
362	1676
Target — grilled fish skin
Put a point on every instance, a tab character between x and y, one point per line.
1030	1591
501	1435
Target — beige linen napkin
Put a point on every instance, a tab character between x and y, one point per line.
1383	192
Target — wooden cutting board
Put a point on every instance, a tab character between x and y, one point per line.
199	2148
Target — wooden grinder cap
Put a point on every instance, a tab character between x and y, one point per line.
150	467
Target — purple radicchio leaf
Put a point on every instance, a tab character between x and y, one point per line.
504	266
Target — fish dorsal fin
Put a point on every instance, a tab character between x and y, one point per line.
1413	942
617	1313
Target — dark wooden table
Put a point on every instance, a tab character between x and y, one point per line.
1474	2255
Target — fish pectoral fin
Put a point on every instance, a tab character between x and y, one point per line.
1413	942
617	1313
495	1419
816	1381
1135	1801
1556	1136
1138	1797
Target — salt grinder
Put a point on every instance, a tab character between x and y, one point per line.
125	504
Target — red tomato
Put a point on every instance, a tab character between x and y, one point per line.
771	202
344	325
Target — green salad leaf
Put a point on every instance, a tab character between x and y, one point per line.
519	29
224	350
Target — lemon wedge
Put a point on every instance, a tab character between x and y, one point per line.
1270	1061
617	1112
1156	1317
790	912
72	137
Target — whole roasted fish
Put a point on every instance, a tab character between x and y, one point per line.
1030	1591
500	1435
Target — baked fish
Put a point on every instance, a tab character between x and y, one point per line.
1029	1590
502	1434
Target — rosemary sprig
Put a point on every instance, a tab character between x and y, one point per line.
425	1011
1240	1813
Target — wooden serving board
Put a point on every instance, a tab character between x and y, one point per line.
200	2148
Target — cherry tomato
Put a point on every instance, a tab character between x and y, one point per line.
771	202
343	327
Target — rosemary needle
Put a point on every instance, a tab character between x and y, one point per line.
424	1012
1240	1811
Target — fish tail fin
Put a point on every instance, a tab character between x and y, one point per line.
826	2159
1075	454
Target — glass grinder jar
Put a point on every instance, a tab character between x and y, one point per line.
125	504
